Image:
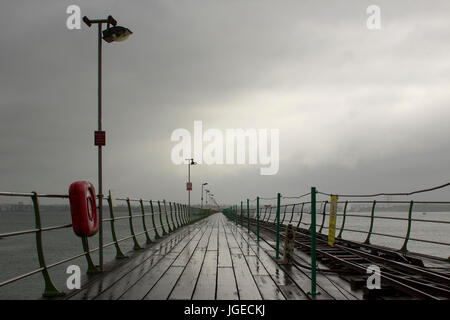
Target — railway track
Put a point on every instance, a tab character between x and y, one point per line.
402	276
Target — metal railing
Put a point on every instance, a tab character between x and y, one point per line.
171	216
297	213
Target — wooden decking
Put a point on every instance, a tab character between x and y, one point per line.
211	259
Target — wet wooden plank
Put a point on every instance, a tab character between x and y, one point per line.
281	279
268	288
119	276
246	284
332	286
140	288
206	285
185	285
256	267
224	251
165	285
226	284
213	241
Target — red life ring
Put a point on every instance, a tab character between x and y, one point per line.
83	207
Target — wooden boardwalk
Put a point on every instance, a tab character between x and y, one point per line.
212	259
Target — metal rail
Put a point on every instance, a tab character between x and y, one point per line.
178	217
299	210
409	279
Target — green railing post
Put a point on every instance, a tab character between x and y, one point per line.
160	219
167	217
372	216
408	231
323	215
130	219
92	269
119	253
182	214
292	213
171	217
49	289
313	291
257	219
284	214
248	215
157	236
301	216
148	240
265	212
176	215
278	226
343	220
242	215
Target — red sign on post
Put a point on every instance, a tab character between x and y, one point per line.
189	186
100	138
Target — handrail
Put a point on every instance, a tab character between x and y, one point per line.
179	211
298	209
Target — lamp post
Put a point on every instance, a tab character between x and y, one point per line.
110	34
189	184
207	192
203	184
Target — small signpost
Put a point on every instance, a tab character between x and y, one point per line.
189	186
100	138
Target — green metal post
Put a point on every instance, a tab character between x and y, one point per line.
167	217
248	215
278	226
372	216
242	214
92	269
148	240
160	219
324	212
119	253
176	215
301	216
49	289
130	214
171	216
313	242
157	236
343	220
257	219
408	231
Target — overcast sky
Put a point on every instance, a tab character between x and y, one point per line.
358	110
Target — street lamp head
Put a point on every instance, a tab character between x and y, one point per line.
116	33
205	183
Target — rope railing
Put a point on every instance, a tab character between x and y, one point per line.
171	215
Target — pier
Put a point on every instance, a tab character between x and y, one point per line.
249	251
